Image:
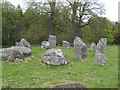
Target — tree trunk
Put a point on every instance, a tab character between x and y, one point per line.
52	19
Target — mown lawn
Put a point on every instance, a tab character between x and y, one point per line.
36	74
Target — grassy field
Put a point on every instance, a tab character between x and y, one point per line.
33	73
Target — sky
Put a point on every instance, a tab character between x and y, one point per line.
111	7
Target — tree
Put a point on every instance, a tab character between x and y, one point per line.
87	35
10	19
86	9
116	34
108	35
98	25
36	26
20	10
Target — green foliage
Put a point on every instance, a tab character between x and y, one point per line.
20	10
101	27
87	35
108	35
41	20
10	19
36	74
116	34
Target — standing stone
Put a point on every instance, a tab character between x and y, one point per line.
45	45
93	47
52	40
17	43
99	48
80	49
103	42
77	39
66	44
102	45
54	57
25	43
100	58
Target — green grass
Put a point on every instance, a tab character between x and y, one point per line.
36	74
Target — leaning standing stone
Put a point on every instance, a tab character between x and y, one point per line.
80	49
45	45
66	44
54	57
25	43
93	47
52	40
100	58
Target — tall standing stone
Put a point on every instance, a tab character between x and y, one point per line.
103	42
66	44
101	58
80	49
99	48
52	40
93	47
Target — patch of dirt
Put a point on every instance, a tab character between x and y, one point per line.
85	59
23	60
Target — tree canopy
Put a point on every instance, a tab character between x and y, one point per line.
65	20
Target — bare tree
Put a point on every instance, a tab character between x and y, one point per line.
83	10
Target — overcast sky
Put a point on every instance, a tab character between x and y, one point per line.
111	7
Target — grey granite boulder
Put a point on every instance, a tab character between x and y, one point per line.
25	43
66	44
80	49
45	45
54	57
15	53
100	58
52	40
93	47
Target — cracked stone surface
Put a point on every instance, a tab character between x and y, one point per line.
52	40
15	53
100	58
93	47
80	49
23	43
66	44
45	45
54	57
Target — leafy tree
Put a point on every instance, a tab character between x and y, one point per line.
108	35
20	10
36	26
98	25
86	9
88	35
116	34
9	23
